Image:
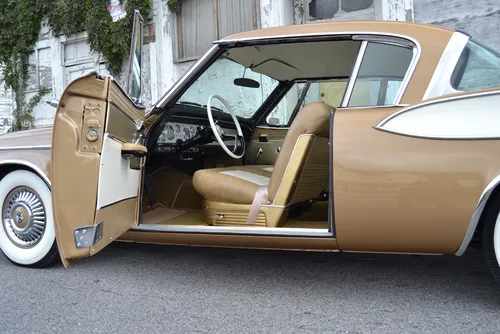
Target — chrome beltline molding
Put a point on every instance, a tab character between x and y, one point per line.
265	231
30	165
34	147
476	216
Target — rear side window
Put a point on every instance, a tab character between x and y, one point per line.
477	68
380	75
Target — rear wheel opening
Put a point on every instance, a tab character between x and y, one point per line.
490	236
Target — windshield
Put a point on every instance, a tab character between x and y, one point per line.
219	78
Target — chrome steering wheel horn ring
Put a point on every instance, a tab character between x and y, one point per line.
216	128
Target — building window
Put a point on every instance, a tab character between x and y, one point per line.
380	75
478	68
200	22
40	71
327	9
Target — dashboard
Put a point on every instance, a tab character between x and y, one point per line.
173	132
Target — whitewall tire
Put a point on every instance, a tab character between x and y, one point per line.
27	236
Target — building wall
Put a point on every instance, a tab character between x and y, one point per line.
5	109
479	18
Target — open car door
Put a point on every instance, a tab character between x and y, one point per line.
97	159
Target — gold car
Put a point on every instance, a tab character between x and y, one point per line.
345	136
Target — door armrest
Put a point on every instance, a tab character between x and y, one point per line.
131	151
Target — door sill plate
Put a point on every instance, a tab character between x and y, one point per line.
250	230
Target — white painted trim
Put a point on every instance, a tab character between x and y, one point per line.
472	116
117	181
440	81
269	169
250	177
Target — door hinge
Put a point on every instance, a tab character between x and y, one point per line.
88	236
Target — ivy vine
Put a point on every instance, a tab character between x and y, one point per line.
21	22
175	5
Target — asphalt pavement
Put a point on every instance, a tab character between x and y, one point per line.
130	288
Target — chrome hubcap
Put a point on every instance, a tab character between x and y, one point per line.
24	217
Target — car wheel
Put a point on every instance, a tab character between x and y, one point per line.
27	236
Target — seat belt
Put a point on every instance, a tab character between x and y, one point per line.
260	198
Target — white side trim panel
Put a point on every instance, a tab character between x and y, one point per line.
440	82
116	180
250	177
475	116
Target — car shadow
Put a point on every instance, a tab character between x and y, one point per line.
457	279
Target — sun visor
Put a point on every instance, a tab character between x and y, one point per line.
277	70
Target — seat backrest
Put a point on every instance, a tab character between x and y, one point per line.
305	148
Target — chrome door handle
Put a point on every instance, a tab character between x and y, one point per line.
259	152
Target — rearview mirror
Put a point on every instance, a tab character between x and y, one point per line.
134	77
246	82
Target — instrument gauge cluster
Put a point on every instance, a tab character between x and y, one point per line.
173	132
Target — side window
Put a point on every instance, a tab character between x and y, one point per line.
477	68
281	114
380	75
328	91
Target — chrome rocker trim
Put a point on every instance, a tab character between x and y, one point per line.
33	147
238	230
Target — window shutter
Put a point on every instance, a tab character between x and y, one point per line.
197	26
235	16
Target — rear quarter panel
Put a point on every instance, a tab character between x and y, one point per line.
399	193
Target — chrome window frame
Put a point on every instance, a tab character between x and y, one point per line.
383	39
363	35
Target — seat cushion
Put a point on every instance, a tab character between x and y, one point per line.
236	184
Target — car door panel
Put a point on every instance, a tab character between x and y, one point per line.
398	193
91	182
267	139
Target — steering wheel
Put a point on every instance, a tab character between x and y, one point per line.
219	133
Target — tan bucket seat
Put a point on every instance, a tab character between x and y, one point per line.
300	172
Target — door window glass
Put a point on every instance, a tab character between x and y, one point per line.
380	75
